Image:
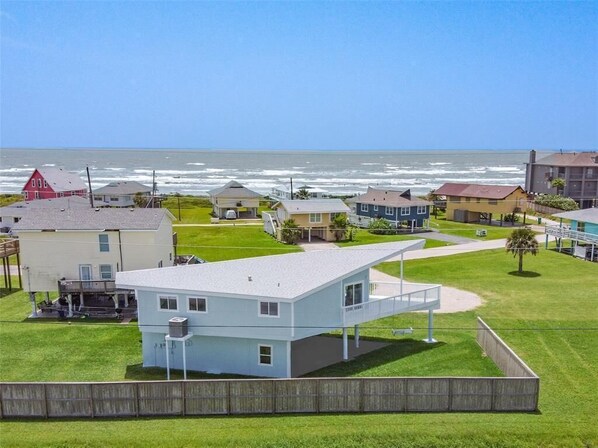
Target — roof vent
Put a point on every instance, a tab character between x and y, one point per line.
61	209
249	278
97	209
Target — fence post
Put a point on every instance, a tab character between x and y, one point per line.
136	397
273	396
450	394
318	395
91	404
228	398
45	401
361	395
492	403
184	398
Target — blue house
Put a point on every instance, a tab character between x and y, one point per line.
582	232
264	316
395	206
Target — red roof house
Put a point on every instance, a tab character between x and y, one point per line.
51	182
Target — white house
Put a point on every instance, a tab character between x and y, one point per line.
262	316
234	196
121	193
11	214
79	251
283	192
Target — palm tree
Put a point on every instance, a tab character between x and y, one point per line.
302	193
522	241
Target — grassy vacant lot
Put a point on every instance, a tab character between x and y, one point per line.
549	316
362	236
469	230
229	242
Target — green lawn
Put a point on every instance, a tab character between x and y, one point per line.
549	317
362	236
469	230
229	242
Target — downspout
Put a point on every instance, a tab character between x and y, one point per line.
120	251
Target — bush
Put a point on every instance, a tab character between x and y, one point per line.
556	201
380	226
290	231
511	218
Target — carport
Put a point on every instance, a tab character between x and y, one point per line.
316	352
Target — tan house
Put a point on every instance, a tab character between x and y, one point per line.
475	203
313	217
79	251
234	198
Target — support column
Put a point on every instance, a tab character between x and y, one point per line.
126	300
167	361
184	359
309	234
345	345
81	302
69	299
356	336
115	299
33	304
430	339
47	297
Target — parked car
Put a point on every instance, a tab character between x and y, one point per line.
231	214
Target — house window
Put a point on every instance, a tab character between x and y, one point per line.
265	355
477	200
268	309
454	199
421	209
95	198
104	245
492	201
353	294
26	194
106	271
405	211
198	304
364	207
389	210
39	183
168	303
467	199
113	198
33	183
315	217
375	208
45	184
37	195
62	194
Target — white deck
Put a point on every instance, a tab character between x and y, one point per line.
390	298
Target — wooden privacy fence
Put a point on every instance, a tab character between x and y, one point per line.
273	396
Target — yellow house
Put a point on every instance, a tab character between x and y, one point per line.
474	202
313	216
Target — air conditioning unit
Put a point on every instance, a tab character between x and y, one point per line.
177	327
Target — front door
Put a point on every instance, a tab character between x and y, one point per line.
85	275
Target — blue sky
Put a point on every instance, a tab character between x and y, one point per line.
300	75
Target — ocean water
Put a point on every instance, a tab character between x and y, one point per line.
339	172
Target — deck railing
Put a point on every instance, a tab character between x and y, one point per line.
414	297
9	247
78	286
565	232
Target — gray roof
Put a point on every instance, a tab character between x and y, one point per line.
61	180
388	197
123	187
286	277
233	189
63	202
313	206
586	215
570	159
93	219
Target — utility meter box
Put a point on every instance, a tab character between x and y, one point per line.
177	327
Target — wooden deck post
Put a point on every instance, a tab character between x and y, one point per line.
356	336
345	345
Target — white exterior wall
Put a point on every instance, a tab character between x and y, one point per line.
47	257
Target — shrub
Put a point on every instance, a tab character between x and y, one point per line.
556	201
290	231
380	226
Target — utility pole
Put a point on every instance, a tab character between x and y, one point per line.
89	186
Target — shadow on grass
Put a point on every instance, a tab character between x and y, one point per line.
385	355
136	372
526	274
